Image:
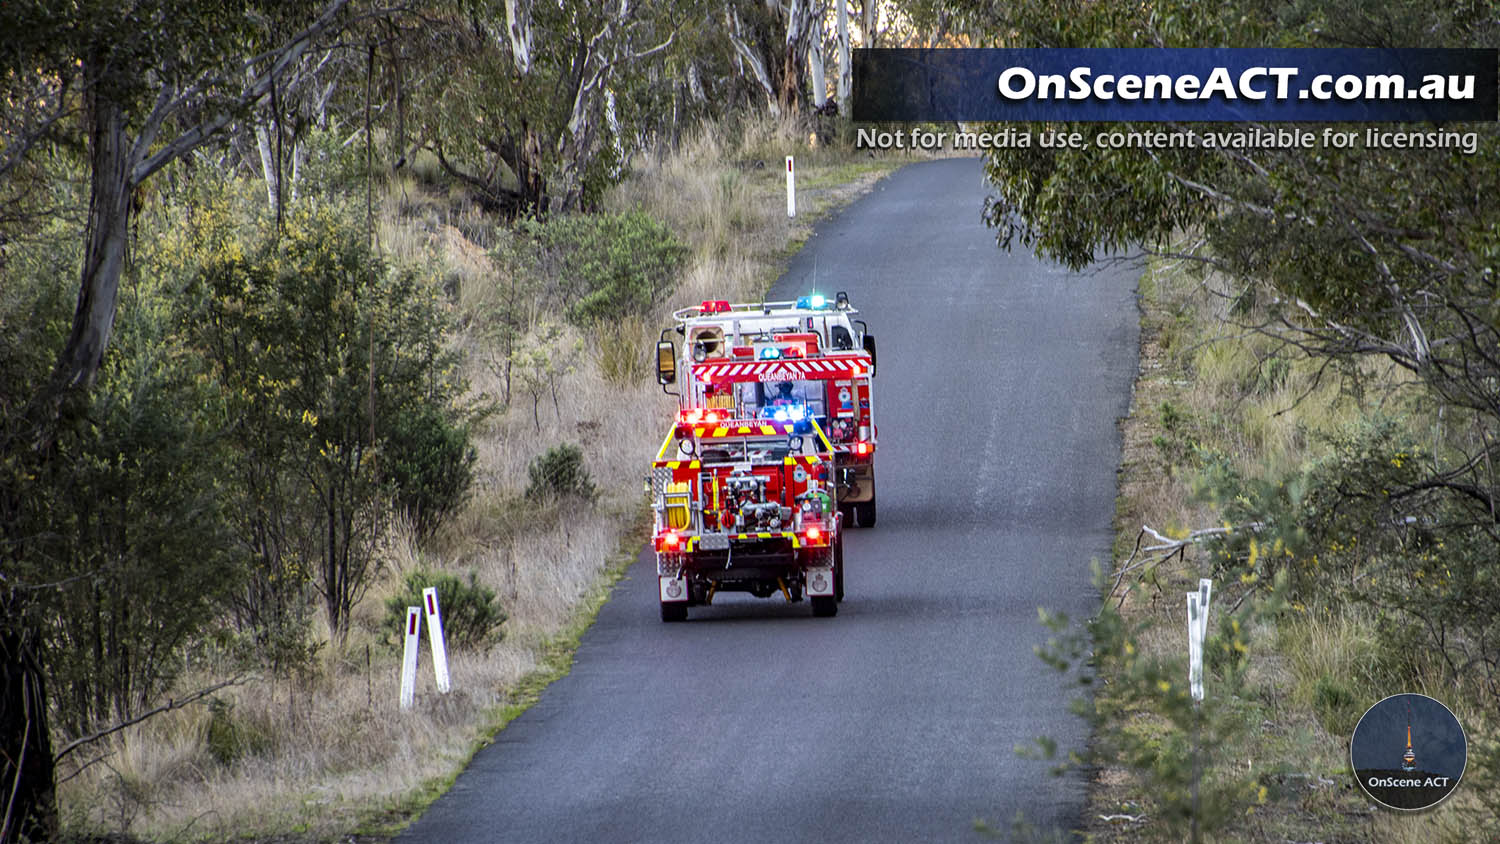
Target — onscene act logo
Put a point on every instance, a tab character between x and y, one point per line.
1408	752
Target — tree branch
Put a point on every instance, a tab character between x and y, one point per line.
166	707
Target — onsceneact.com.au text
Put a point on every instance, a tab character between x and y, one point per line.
1253	83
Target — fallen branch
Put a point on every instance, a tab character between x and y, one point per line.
1167	548
172	703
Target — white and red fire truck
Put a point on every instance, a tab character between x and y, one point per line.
785	361
744	505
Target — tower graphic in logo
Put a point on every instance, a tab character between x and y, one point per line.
1409	757
1392	777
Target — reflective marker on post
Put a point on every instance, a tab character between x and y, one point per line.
791	189
435	635
1205	591
409	658
1195	646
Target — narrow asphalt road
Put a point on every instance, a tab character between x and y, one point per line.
1000	381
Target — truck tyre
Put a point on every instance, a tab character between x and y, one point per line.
825	606
673	612
865	513
838	569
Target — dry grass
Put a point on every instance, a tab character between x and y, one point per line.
1205	382
327	752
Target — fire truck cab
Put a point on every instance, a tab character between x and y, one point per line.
785	361
744	505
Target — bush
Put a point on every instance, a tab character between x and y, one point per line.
470	615
228	738
559	474
611	265
431	465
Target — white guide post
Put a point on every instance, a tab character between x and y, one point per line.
1195	647
435	635
409	658
1205	591
791	189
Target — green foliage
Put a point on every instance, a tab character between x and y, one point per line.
229	738
125	521
471	616
309	334
611	264
430	463
1144	717
559	474
1366	524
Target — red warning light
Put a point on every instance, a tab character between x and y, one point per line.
814	534
862	449
669	540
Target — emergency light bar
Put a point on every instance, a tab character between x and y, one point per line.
851	365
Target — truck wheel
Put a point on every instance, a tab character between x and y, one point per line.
673	612
838	569
825	606
865	513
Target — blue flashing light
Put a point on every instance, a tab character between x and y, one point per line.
815	302
790	413
770	353
818	301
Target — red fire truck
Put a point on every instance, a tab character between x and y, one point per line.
785	361
743	505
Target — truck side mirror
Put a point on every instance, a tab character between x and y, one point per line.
666	363
870	347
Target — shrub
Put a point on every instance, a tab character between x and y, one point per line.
471	617
229	738
611	265
431	465
559	473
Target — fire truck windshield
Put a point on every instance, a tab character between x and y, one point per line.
793	400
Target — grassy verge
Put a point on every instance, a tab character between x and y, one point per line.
317	747
1208	391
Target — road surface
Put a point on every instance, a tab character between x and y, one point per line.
1000	380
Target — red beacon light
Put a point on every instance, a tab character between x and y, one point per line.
814	534
698	415
670	540
863	449
714	306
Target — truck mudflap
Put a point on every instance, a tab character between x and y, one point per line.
673	589
819	582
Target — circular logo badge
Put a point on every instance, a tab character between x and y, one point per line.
799	474
1408	752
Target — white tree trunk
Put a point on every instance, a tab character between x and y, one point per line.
749	58
867	31
815	69
846	73
695	84
268	167
518	30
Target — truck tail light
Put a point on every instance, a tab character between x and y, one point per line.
669	541
814	534
862	449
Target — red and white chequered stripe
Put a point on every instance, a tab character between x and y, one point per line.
812	368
